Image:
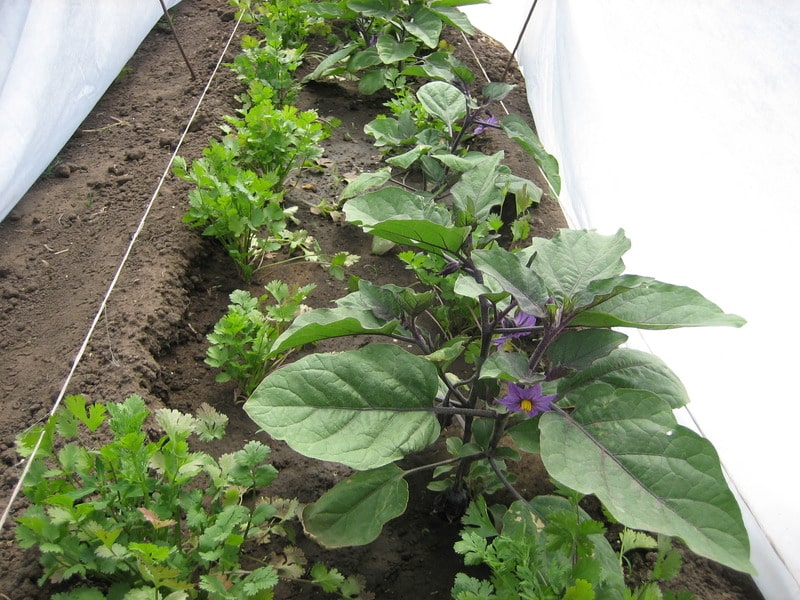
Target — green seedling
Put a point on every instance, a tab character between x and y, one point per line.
235	205
275	141
271	65
243	338
288	21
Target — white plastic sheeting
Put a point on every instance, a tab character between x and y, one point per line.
679	122
57	58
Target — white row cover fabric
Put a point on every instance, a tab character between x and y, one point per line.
679	122
57	58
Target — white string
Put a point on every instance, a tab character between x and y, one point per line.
101	310
480	65
552	189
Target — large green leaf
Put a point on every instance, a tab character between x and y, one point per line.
353	512
469	288
364	60
325	323
461	164
391	51
364	408
526	435
626	368
443	100
453	17
600	290
580	348
425	25
515	277
392	132
331	64
400	216
570	261
423	235
406	159
657	305
381	9
366	181
476	192
372	81
518	130
393	202
625	447
505	365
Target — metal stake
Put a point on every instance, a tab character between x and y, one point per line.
175	35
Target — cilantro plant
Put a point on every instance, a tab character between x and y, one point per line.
565	558
150	518
235	205
540	365
240	180
549	549
275	140
130	516
269	63
290	21
244	336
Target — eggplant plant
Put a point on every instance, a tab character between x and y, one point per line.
385	42
539	362
431	135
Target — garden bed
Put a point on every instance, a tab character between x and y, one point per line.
60	247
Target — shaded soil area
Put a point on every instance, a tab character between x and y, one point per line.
61	246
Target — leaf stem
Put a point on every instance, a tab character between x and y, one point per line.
514	492
441	463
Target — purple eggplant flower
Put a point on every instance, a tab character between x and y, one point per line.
528	400
486	123
522	319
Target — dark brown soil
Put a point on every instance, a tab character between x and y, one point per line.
62	244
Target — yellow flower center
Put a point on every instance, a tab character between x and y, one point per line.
526	405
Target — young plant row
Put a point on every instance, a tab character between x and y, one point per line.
511	335
241	179
514	337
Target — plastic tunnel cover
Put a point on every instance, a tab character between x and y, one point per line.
679	123
56	61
